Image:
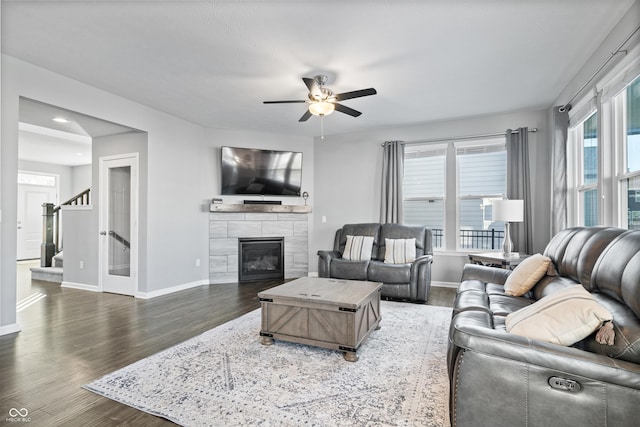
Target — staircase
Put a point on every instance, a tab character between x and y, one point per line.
49	274
51	265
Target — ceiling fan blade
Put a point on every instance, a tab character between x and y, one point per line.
355	94
313	87
305	116
282	102
347	110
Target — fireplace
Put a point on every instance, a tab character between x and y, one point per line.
260	258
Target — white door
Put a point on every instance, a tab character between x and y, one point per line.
118	219
31	197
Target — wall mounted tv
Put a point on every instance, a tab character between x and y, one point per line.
249	171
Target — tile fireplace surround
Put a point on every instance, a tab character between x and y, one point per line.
226	227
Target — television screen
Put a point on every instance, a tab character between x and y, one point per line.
261	172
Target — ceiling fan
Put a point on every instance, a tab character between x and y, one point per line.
322	101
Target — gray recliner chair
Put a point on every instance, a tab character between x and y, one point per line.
406	281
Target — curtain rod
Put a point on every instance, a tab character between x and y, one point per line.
457	138
604	64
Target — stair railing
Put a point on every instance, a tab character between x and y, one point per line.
51	234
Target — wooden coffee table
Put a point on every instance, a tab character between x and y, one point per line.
329	313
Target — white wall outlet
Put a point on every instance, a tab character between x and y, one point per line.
324	219
81	265
197	262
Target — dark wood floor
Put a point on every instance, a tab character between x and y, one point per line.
71	337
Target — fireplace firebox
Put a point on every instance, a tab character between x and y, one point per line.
260	258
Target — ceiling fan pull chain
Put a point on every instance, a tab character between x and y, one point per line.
322	128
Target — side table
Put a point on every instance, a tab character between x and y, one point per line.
497	259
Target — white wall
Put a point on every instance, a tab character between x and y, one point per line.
182	176
176	226
210	158
82	225
348	168
80	179
618	34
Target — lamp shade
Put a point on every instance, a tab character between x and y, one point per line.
321	108
508	210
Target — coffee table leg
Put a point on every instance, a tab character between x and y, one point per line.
264	340
350	356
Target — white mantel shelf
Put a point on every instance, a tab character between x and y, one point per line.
224	207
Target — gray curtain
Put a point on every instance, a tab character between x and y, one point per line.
392	172
519	187
559	170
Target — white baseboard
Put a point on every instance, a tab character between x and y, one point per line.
313	274
445	284
172	289
10	329
81	286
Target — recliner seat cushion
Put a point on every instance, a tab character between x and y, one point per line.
389	273
351	270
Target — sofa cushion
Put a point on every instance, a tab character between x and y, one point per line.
368	229
352	270
398	231
583	250
358	248
564	317
399	251
617	270
527	274
389	273
626	325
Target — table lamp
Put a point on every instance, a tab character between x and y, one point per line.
508	211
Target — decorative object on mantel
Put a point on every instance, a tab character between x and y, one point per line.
508	211
228	207
305	196
226	377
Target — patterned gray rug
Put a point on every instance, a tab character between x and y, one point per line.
225	377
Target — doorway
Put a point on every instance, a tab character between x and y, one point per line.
118	224
34	189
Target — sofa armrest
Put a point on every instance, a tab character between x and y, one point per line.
471	331
485	274
421	277
324	262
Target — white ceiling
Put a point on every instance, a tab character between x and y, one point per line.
68	143
214	62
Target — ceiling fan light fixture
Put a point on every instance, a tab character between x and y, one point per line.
321	108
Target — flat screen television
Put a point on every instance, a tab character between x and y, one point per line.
250	171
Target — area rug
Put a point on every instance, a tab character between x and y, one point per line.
225	377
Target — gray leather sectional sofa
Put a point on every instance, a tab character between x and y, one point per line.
501	379
405	281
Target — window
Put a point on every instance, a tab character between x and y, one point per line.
424	188
36	179
603	157
481	179
629	178
450	188
588	167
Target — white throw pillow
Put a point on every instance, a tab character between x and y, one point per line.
399	251
564	317
358	248
526	275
